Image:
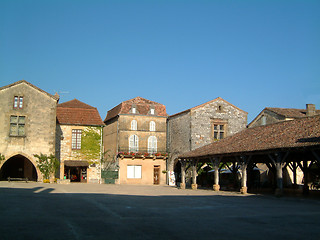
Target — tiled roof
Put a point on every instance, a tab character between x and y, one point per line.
290	112
142	106
297	133
75	112
201	105
55	97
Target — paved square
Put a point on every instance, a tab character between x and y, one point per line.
92	211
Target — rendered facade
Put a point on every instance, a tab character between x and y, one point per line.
135	138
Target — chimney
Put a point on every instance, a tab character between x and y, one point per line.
311	110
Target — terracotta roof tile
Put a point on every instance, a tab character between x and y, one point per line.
290	112
287	134
142	106
75	112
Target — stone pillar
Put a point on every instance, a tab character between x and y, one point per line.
183	174
194	175
279	189
216	186
244	188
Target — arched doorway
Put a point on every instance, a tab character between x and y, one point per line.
18	167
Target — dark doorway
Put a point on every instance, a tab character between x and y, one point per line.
76	174
18	167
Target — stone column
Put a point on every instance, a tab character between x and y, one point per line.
216	186
244	188
183	174
194	175
279	189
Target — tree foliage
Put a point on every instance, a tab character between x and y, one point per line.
47	164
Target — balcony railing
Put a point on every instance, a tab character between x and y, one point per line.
143	152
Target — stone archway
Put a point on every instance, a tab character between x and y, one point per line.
18	166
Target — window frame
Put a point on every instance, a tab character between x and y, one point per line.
152	144
134	171
134	125
76	136
133	143
219	129
152	126
18	102
18	124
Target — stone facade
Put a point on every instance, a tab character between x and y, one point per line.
79	142
28	117
201	125
64	152
123	125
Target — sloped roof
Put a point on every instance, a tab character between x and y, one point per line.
297	133
75	112
201	105
55	97
142	105
290	112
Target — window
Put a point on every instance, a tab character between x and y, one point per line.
152	144
134	171
133	125
263	120
133	143
133	110
18	102
152	126
152	111
218	131
76	138
17	125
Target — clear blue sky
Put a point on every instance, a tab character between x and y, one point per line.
180	53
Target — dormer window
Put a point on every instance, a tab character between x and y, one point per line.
18	102
152	111
133	109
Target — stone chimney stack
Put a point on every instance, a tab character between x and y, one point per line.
311	110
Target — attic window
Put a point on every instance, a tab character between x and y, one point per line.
133	110
152	111
18	102
219	108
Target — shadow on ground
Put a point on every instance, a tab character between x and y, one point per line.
40	213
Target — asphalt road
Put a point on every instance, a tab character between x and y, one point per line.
91	211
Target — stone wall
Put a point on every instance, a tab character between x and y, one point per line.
65	152
39	110
193	128
179	136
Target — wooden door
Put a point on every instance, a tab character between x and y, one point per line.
156	175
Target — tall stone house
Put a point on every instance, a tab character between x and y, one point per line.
28	126
199	126
79	141
135	138
273	115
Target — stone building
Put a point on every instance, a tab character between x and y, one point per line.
135	138
273	115
28	126
79	141
199	126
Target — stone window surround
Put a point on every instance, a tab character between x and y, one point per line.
19	124
219	128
